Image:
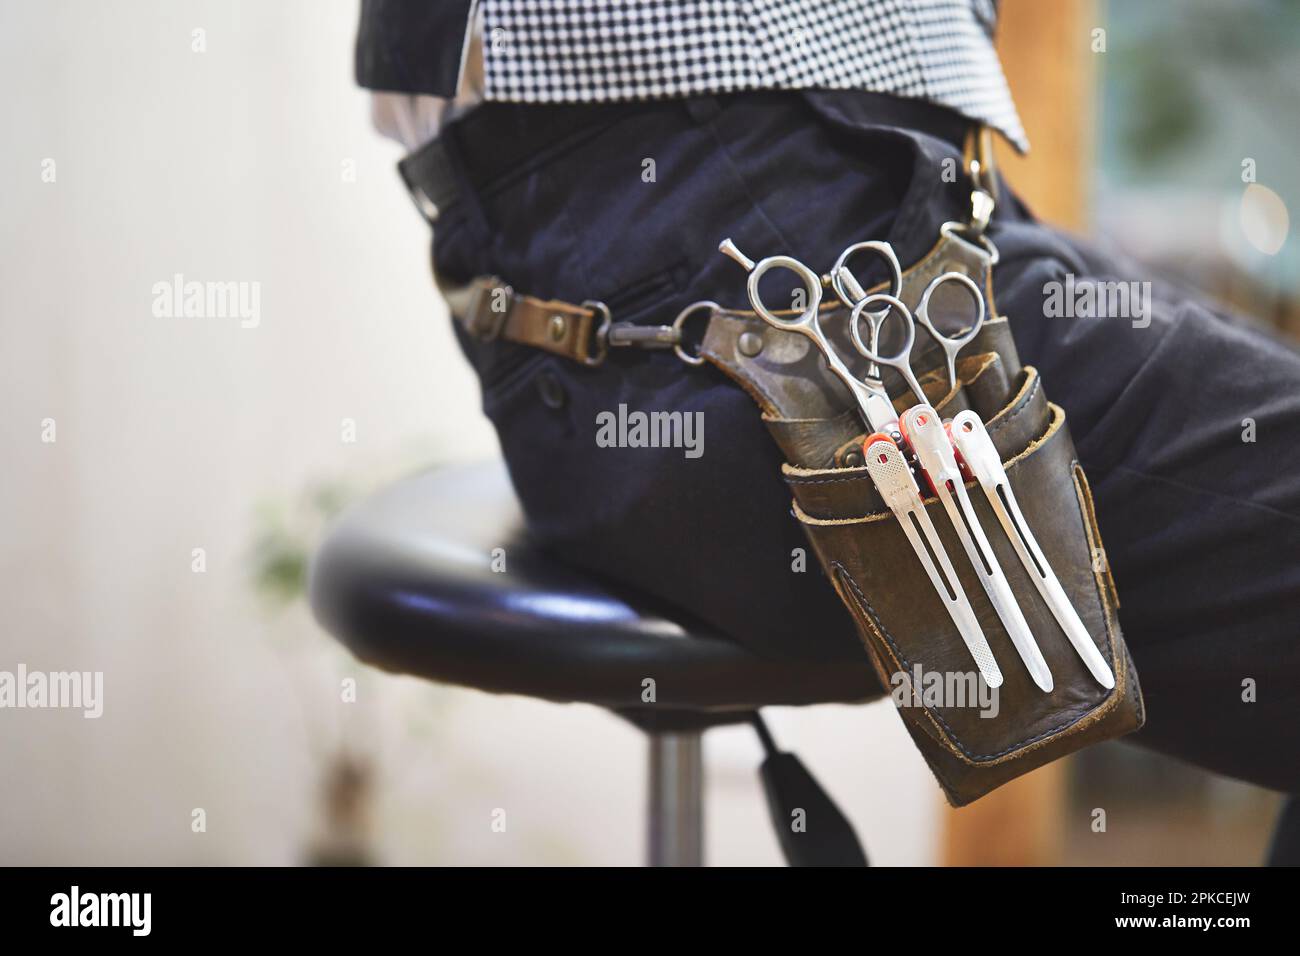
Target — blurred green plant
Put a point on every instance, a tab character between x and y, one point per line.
1180	77
285	535
356	760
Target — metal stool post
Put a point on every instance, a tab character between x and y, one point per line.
676	779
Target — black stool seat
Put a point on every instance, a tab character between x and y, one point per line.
405	579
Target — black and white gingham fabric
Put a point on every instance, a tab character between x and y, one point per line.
566	51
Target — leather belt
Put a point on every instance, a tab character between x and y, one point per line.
489	309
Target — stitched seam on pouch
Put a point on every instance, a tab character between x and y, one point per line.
878	649
864	476
1139	702
1056	424
992	427
1093	537
999	423
865	607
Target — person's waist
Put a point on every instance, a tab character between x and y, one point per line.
495	141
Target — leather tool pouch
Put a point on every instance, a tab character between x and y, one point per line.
976	744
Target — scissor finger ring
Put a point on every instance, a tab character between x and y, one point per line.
846	285
955	342
894	304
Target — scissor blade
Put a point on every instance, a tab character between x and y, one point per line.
924	430
977	448
874	404
894	481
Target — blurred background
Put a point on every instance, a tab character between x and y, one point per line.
161	537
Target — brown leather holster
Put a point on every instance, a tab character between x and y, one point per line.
862	548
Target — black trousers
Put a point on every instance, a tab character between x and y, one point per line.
1186	419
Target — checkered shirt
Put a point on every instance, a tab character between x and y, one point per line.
573	51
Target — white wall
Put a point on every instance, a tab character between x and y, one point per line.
172	432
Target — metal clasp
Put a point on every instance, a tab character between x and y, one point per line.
981	206
628	335
978	152
601	336
712	308
619	335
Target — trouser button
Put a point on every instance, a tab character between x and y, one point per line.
550	389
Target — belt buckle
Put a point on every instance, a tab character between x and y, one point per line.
427	207
482	323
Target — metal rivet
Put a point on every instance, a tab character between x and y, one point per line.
751	343
550	389
853	459
557	328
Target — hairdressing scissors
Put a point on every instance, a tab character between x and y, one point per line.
924	432
885	462
871	398
901	361
846	286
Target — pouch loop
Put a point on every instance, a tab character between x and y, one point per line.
481	320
